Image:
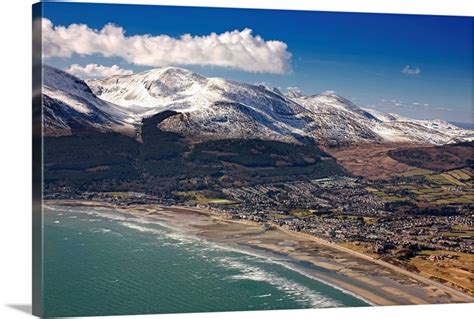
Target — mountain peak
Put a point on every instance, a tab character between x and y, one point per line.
220	108
69	105
330	94
57	79
294	93
171	71
335	96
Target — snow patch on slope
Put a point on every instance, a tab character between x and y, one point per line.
67	101
218	108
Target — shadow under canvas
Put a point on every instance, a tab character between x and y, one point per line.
22	307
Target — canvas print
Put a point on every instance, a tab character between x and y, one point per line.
207	159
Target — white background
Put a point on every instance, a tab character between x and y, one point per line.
15	155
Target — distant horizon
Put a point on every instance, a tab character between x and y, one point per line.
422	70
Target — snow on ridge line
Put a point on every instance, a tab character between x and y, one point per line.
215	105
70	100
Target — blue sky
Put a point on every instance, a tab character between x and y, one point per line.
359	56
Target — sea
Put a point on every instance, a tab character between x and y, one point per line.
100	261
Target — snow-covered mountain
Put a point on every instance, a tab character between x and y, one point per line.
70	106
215	108
338	120
209	107
394	127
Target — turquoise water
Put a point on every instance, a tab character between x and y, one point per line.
102	262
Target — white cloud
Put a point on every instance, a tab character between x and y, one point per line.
233	49
408	70
94	70
293	89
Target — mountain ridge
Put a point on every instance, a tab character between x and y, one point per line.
216	108
70	106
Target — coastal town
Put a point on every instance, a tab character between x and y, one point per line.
390	219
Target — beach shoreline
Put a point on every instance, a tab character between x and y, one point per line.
372	280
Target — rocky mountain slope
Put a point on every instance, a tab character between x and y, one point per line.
336	120
215	108
70	106
210	108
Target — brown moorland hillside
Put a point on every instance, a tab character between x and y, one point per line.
436	158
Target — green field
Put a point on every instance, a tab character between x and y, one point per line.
416	172
202	199
304	213
448	188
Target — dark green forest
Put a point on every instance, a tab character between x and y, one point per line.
165	162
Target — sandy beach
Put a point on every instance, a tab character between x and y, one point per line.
373	280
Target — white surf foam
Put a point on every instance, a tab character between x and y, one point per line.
196	245
296	291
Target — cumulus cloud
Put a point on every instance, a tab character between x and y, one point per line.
408	70
94	70
233	49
